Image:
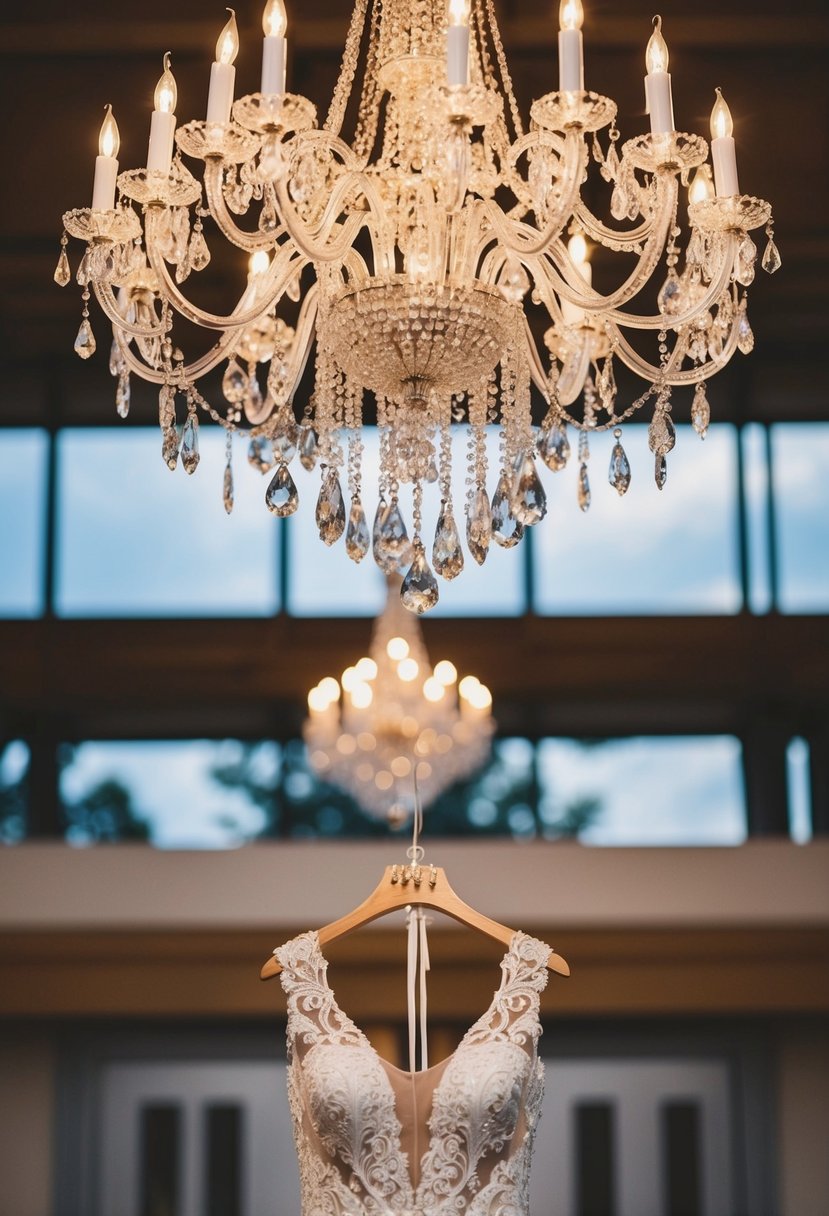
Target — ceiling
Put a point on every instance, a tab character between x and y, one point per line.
60	69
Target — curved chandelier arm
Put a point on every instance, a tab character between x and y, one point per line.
108	300
306	329
250	242
537	373
610	237
189	373
574	372
671	374
314	250
521	238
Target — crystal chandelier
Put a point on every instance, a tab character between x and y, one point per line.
392	716
436	267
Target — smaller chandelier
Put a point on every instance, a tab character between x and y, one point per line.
393	718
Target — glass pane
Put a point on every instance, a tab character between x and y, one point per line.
14	778
799	791
756	476
649	552
644	791
325	582
23	456
800	458
160	1155
135	539
198	793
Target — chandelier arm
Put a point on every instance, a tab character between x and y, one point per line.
671	374
574	156
189	373
574	373
304	334
537	372
106	297
609	237
336	251
250	242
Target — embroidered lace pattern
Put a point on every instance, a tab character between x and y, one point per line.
455	1139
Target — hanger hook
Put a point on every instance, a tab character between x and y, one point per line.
416	852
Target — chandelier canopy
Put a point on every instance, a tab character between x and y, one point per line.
437	267
392	717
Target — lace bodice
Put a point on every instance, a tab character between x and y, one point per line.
455	1139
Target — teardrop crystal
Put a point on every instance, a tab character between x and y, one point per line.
234	382
661	433
700	410
85	344
260	454
308	448
281	497
619	472
583	489
479	525
419	591
330	513
227	489
772	260
447	555
554	447
660	471
169	446
744	265
606	384
506	530
619	201
528	500
63	272
198	253
390	540
190	445
122	395
285	438
357	537
670	296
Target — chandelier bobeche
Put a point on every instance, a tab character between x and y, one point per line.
417	254
392	716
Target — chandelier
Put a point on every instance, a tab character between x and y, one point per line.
437	268
392	717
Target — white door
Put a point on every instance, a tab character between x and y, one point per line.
634	1143
196	1139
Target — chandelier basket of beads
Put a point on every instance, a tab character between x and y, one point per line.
411	260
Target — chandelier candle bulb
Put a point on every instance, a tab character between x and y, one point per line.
223	74
163	121
658	100
570	47
106	164
723	149
457	44
274	24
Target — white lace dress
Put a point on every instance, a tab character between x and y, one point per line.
455	1139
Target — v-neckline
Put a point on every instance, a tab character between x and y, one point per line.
446	1061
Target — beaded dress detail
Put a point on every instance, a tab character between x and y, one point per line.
455	1139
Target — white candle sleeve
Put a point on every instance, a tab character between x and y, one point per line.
273	64
457	55
162	131
570	61
572	313
103	189
724	156
659	102
220	97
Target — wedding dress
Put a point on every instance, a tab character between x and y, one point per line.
456	1138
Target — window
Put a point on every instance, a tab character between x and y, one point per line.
14	777
135	539
643	791
756	491
799	790
651	552
800	457
23	456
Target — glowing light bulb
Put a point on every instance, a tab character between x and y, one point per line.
274	19
577	248
459	12
407	669
366	669
329	688
166	92
656	54
109	139
349	679
445	672
227	47
433	690
397	649
701	188
480	697
318	702
722	124
571	14
258	263
467	687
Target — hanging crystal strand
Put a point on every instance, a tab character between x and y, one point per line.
63	271
528	501
190	439
357	537
700	410
671	297
553	444
772	260
619	473
227	480
478	509
85	344
308	438
661	432
583	488
419	590
447	555
122	394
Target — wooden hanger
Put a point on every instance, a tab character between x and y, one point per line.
415	884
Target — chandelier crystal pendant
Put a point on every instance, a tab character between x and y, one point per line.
391	714
436	267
